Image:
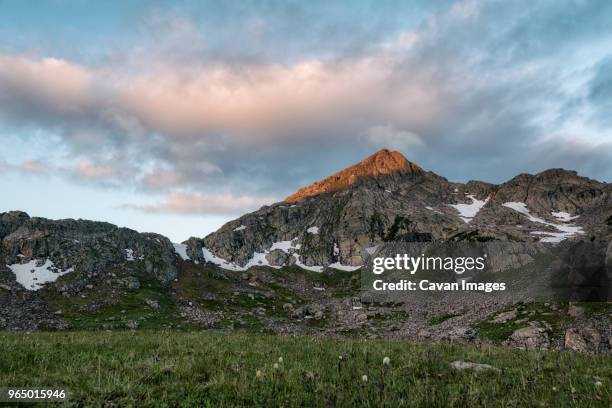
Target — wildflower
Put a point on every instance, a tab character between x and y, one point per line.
275	366
280	360
554	388
598	384
258	374
340	357
386	361
364	378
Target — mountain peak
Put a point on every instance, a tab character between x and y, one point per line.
383	162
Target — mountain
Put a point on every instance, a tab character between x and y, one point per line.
86	275
382	163
77	259
336	222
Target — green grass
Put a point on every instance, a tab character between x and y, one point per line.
127	305
498	332
441	318
170	368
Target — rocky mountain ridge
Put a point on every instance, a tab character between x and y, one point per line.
37	250
338	221
93	275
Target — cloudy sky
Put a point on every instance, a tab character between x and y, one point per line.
175	117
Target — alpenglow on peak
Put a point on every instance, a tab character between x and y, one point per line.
383	162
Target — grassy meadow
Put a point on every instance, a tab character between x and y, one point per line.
172	368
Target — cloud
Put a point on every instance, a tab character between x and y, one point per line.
50	84
462	87
197	203
34	166
89	170
600	92
388	136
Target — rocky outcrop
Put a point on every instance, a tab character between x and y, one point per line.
84	246
586	339
529	337
387	198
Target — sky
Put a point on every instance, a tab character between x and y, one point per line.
178	116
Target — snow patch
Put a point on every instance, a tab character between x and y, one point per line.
308	268
468	211
432	209
258	258
129	255
565	230
346	268
285	246
220	262
563	216
313	230
371	250
33	277
240	228
181	250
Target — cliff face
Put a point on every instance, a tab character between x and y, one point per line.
337	221
83	246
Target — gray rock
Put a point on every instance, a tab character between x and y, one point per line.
131	283
505	316
574	341
277	257
530	337
464	365
154	304
575	311
132	324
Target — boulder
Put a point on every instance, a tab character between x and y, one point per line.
505	316
465	365
278	257
586	339
575	311
529	337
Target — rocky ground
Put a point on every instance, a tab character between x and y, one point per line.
296	302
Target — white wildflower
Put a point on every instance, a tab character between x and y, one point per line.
364	378
280	360
386	361
275	366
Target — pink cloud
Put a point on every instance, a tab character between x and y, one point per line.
263	101
197	203
34	166
89	170
54	84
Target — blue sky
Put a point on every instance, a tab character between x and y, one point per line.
175	117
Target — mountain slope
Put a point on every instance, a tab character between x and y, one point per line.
337	221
